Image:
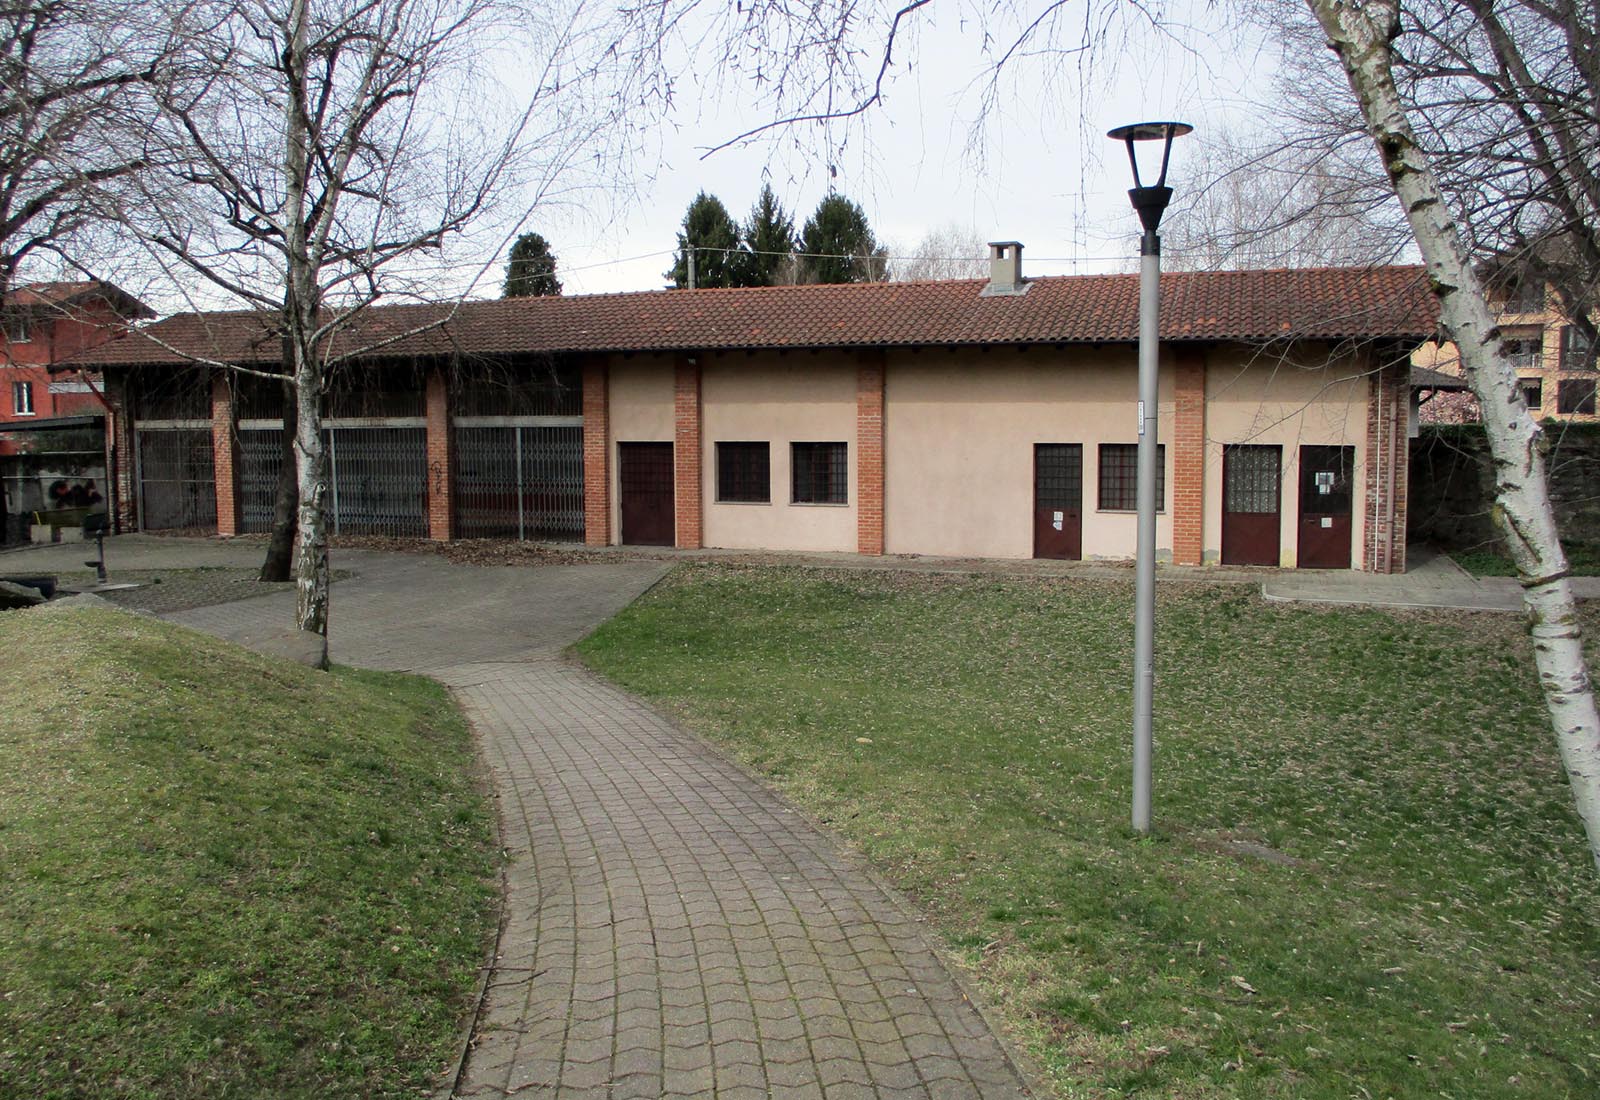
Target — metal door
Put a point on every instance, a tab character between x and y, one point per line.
176	482
1058	500
644	471
1326	493
1252	482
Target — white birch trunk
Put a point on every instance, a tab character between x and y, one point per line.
301	313
1360	34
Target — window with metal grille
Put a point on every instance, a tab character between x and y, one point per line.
744	473
1526	353
821	473
1532	392
1058	475
1119	477
1254	478
22	398
1575	395
1577	351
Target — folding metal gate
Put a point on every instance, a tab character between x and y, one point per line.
176	480
519	477
378	483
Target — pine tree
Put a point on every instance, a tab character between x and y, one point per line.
837	245
768	240
710	231
531	269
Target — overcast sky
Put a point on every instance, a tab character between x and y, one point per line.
1045	174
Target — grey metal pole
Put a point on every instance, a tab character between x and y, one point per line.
1144	619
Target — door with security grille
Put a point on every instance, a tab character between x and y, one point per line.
1058	500
1252	512
644	475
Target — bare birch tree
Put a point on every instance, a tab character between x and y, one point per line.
325	156
952	252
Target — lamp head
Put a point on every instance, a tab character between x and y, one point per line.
1150	200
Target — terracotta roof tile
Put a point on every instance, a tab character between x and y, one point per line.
1252	306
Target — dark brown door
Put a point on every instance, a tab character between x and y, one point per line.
644	472
1058	500
1325	497
1252	483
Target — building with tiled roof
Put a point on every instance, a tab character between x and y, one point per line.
990	418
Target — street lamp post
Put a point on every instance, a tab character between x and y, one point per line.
1150	201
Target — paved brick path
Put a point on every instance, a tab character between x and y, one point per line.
673	928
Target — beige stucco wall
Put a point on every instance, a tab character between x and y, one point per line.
1255	396
639	392
779	399
958	451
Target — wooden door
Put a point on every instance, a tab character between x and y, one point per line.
1252	483
644	474
1326	494
1058	500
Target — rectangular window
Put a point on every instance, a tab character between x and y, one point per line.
1532	392
22	398
1575	395
1577	352
821	473
1119	477
744	473
1525	297
1525	353
1252	479
18	328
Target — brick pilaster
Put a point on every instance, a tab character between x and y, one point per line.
1189	458
869	453
224	454
1388	466
686	452
438	415
119	445
596	456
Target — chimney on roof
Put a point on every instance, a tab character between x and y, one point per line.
1005	269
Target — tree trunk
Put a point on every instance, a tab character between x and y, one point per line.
1360	34
285	501
311	465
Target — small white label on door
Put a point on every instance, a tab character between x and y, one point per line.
1327	521
1058	520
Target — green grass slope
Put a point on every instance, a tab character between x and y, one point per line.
1367	878
222	875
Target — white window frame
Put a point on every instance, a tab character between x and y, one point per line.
22	399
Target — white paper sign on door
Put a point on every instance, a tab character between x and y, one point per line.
1058	520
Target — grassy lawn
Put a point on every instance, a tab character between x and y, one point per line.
1583	558
1368	880
222	875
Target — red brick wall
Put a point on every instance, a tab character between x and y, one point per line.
223	455
596	456
869	453
119	458
686	452
438	414
1189	458
1387	468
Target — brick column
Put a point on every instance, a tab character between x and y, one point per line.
1388	466
119	442
438	414
596	456
686	452
1189	458
869	452
224	454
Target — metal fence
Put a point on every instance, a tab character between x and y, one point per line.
519	477
379	482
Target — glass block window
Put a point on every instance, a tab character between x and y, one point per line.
744	473
1253	480
1575	395
1119	477
821	473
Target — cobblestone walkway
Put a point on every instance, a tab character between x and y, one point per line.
673	928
